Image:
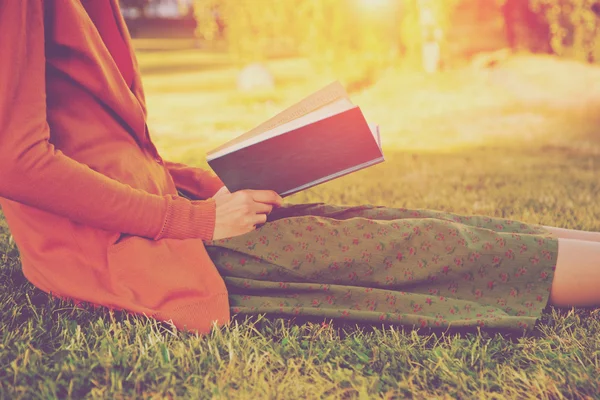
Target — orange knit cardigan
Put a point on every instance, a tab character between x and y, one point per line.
92	206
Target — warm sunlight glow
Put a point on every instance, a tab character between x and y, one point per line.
374	4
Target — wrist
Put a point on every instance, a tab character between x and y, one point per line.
187	219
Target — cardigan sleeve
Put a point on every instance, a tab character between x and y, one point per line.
34	173
195	183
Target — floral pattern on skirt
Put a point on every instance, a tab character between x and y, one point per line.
418	268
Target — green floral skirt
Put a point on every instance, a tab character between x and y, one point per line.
417	268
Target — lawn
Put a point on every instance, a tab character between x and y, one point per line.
521	140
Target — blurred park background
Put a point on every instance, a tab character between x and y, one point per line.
434	74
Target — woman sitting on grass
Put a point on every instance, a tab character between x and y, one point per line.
96	214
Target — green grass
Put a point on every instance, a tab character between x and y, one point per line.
486	142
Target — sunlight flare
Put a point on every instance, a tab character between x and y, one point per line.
374	4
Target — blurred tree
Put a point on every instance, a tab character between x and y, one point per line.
434	18
206	15
574	27
424	25
138	5
353	39
509	10
525	28
252	32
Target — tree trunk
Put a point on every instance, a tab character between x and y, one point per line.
509	14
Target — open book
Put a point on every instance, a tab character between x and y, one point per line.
321	138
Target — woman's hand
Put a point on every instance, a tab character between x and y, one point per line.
240	212
221	192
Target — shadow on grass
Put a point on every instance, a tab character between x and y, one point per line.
551	316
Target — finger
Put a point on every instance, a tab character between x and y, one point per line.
258	219
262	208
266	196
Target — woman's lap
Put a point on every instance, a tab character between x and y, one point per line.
387	213
415	267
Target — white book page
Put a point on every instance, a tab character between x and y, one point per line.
327	111
375	132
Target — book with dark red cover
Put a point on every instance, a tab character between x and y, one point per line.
319	139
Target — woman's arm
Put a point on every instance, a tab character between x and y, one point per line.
34	173
195	183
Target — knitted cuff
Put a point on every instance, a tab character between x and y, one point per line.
188	219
